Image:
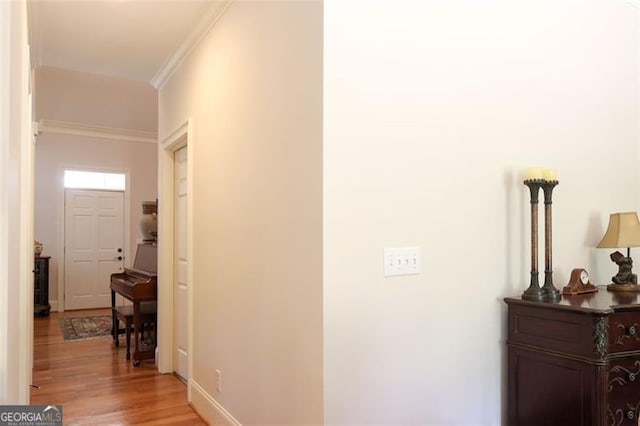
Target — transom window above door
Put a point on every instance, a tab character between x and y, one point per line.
79	179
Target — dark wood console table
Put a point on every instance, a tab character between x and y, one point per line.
41	305
575	361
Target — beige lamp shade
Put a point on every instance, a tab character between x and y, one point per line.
623	231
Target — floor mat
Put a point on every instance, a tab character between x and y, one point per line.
84	328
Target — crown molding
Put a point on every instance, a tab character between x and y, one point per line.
202	28
77	129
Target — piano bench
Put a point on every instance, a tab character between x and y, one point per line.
148	315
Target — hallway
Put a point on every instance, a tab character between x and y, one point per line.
96	385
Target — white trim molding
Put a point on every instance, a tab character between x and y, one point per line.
16	227
202	28
87	130
5	177
210	409
34	33
25	298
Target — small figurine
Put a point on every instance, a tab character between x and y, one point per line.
625	264
37	248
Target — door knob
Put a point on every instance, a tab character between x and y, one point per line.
119	250
119	258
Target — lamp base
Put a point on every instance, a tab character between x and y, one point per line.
623	287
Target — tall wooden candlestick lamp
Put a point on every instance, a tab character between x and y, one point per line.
536	178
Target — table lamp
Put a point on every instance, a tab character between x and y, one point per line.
623	231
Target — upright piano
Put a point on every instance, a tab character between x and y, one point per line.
137	284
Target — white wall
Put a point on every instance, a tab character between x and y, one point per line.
253	90
431	112
87	99
78	97
432	109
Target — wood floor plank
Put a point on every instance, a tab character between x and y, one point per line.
96	385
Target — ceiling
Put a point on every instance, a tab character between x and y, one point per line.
121	38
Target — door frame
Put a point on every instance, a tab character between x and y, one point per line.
61	231
182	136
16	278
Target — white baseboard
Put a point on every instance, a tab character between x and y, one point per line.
54	305
209	409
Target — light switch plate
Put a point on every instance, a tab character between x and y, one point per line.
401	261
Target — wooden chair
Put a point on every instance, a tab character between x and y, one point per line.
124	314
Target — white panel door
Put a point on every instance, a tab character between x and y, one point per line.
94	249
180	262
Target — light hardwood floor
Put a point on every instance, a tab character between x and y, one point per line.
96	385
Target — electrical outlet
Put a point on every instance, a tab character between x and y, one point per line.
218	381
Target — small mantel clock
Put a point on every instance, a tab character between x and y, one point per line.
579	283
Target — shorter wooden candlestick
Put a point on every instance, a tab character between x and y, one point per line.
550	292
534	292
